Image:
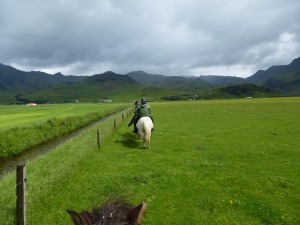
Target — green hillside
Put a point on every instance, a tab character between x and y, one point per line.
100	87
179	82
95	93
118	91
284	79
13	81
243	91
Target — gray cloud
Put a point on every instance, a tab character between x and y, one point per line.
171	37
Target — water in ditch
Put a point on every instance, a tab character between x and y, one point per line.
9	164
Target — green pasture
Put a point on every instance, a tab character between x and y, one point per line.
210	162
24	127
20	115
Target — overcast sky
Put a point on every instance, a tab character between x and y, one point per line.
169	37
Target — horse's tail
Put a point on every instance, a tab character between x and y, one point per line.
147	129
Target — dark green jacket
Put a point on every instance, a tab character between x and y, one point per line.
143	110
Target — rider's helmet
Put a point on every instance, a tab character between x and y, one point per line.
143	100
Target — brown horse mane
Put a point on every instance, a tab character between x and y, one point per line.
115	211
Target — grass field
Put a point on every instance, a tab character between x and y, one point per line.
25	127
20	115
210	162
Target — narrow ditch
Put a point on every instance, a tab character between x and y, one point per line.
9	164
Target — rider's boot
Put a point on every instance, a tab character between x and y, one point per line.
135	129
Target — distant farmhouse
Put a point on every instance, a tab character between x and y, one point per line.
31	104
105	100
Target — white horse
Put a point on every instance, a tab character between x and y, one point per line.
144	126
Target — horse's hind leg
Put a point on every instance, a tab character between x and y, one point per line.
145	143
139	135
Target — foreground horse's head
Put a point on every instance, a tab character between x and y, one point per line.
113	212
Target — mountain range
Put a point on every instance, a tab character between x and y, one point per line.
17	86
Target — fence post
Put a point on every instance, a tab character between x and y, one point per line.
98	138
115	124
21	194
122	117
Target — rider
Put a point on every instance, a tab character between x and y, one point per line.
142	110
134	118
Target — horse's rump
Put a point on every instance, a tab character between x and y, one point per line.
144	126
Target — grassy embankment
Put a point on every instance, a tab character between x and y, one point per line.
24	127
211	162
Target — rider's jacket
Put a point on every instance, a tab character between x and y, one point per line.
143	110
